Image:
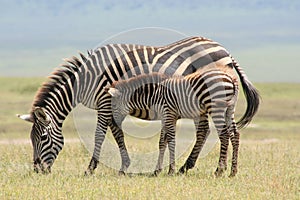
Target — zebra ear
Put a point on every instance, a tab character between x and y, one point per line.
114	92
41	115
106	88
26	117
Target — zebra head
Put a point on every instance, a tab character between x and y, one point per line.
45	142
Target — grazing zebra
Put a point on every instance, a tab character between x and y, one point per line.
195	97
82	79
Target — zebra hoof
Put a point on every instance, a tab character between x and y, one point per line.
219	172
88	172
171	172
156	172
232	174
182	170
122	173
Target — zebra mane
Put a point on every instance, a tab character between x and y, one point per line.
138	81
58	78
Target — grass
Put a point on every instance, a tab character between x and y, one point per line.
269	162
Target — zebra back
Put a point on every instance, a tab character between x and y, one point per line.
139	81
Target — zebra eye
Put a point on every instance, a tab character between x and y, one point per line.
44	134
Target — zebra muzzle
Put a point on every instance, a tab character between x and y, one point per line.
39	166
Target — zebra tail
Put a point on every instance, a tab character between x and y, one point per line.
252	97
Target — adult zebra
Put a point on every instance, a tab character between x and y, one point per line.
194	96
81	80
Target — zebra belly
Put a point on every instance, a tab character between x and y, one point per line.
190	115
146	114
187	104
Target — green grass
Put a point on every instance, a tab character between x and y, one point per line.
269	162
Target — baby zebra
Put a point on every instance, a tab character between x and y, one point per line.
195	97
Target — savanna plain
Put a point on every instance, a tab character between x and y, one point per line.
269	158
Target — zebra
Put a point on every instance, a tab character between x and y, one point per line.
82	79
194	96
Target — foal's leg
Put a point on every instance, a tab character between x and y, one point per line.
162	148
235	140
202	129
218	117
169	126
171	145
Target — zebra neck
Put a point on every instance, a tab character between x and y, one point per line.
87	87
57	98
58	106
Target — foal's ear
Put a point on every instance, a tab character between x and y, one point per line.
106	88
114	92
26	117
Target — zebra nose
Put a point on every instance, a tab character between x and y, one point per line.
36	165
37	161
46	168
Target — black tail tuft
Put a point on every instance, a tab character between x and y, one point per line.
253	101
252	97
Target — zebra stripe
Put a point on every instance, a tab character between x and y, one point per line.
193	96
82	79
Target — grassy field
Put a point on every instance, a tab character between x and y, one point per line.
269	162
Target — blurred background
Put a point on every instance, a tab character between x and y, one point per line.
264	36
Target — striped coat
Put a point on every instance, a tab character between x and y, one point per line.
199	94
81	81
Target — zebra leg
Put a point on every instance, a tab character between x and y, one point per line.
224	138
235	140
169	128
202	128
119	137
162	148
218	117
171	145
101	129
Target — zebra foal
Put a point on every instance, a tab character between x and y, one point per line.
195	97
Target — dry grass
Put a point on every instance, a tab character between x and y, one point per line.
269	163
